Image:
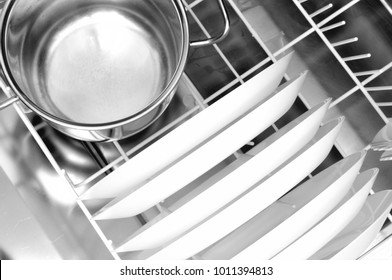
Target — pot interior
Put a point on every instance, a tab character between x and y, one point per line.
93	62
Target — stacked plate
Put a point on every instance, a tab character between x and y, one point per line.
252	208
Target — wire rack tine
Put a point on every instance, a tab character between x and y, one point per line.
342	61
387	6
365	73
378	73
195	3
333	26
337	12
375	74
121	150
207	34
357	57
322	10
344	42
379	88
384	104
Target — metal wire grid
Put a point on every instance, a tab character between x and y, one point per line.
202	103
371	74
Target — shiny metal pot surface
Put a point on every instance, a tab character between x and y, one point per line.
98	70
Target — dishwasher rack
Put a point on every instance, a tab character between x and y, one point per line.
319	19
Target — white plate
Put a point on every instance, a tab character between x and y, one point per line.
204	182
308	199
248	233
351	242
190	134
311	202
269	190
205	157
383	139
319	235
267	156
387	155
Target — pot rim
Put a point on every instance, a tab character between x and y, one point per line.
165	93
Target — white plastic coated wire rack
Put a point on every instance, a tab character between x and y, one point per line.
319	28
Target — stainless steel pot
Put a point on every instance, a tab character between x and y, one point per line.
97	70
